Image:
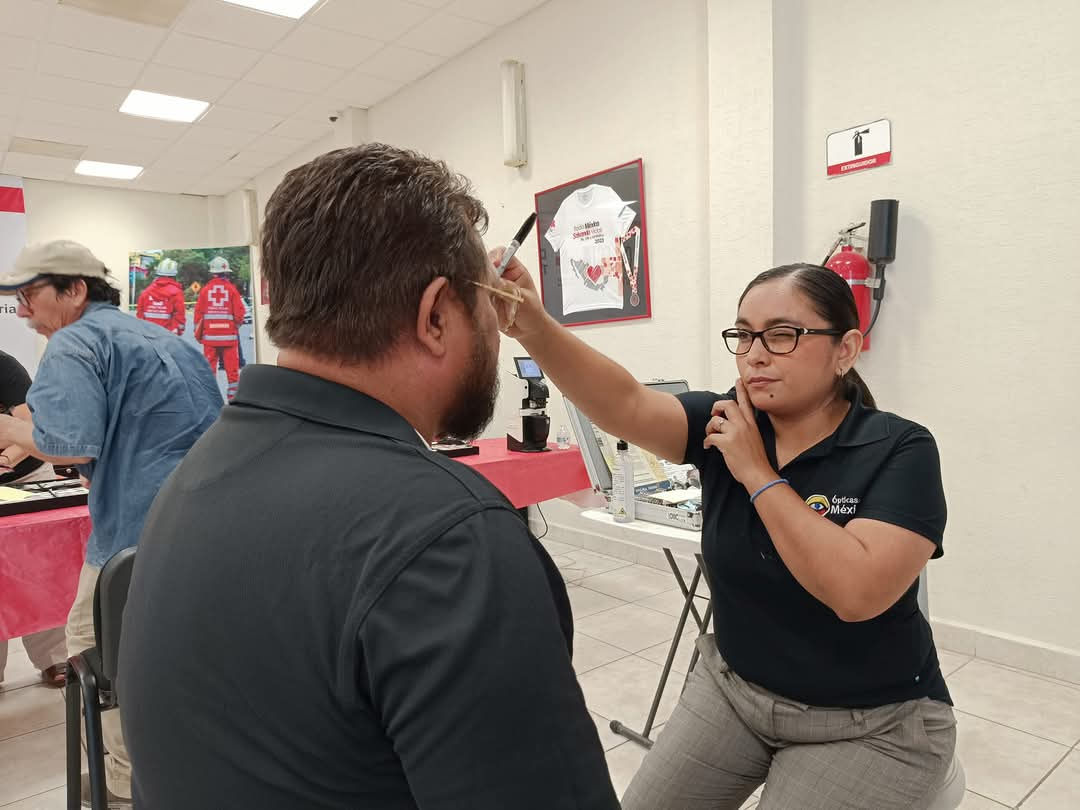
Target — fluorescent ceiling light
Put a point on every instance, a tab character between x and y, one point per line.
116	171
166	108
295	9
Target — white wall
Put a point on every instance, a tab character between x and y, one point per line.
638	90
114	222
975	338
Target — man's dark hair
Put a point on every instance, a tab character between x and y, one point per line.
352	239
97	289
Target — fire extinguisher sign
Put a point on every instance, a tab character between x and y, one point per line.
863	147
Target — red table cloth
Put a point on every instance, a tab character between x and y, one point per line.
528	478
41	554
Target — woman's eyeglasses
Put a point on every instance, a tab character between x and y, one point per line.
775	339
505	300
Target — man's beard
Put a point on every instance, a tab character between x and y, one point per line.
474	406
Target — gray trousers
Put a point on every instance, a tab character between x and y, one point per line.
727	736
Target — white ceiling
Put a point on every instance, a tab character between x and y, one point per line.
272	82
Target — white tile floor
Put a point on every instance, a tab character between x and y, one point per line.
1019	734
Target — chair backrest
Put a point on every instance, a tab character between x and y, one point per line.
110	597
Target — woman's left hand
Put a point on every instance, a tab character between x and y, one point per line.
734	432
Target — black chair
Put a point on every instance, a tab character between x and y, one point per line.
91	681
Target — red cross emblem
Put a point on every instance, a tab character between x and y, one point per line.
219	296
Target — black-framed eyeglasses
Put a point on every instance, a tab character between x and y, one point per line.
775	339
22	295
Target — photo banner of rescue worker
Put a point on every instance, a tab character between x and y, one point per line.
204	295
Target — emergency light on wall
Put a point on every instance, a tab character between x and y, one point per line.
515	152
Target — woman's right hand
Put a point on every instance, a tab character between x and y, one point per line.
530	312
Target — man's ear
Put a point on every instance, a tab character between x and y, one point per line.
77	291
432	317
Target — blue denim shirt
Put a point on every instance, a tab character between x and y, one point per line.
133	398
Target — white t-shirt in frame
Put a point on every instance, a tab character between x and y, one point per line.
583	233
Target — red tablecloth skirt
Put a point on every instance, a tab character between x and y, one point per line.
41	555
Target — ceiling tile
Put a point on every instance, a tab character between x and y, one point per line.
384	20
72	91
275	70
190	160
133	143
327	47
17	52
51	131
274	146
173	182
225	117
435	4
400	64
248	96
228	23
24	18
206	56
45	168
214	136
143	156
320	107
248	163
361	90
109	35
493	12
14	82
67	114
446	34
301	129
59	60
188	84
215	186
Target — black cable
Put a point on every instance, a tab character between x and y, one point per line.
873	318
547	528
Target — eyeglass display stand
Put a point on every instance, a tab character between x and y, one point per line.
689	593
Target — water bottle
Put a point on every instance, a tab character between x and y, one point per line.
622	485
562	438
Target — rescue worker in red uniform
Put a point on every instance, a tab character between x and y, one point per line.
163	301
219	313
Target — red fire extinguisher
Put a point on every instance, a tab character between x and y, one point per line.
853	267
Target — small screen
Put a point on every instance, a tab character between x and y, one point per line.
528	369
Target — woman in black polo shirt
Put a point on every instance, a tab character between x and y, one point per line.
822	680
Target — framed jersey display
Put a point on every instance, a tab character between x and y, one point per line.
594	248
204	295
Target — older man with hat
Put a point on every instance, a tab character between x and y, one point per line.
120	399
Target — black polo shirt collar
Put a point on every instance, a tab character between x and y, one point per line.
860	426
319	400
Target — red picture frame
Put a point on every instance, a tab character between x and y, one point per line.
621	182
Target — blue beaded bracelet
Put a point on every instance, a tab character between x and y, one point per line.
767	486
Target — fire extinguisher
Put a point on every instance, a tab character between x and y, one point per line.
868	287
852	266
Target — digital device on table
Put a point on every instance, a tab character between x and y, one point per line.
39	496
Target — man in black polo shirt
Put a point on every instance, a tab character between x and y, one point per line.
324	612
